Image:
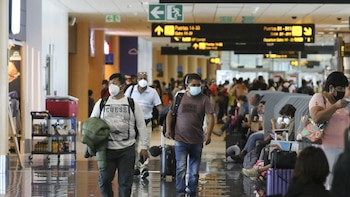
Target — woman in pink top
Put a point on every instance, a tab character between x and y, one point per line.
330	106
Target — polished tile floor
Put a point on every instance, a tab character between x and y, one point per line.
78	177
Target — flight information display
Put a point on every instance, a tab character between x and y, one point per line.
265	33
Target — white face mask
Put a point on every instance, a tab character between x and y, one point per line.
142	83
283	120
194	91
113	90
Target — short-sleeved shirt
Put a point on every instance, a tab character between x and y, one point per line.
333	136
190	116
147	99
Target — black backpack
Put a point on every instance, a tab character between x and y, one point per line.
131	104
164	112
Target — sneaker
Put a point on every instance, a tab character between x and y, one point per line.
136	172
252	172
144	173
218	133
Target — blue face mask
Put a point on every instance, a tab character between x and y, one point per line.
194	91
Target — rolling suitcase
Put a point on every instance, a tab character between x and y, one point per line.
278	181
167	162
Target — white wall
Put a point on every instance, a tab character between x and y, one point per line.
47	25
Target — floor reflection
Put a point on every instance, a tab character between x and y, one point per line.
76	177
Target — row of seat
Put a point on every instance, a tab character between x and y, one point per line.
275	100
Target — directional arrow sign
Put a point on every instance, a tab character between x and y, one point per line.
165	12
156	12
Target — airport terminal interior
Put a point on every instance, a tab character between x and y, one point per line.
70	46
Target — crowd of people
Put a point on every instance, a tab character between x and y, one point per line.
203	101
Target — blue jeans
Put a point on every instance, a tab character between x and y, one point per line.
124	160
194	151
251	142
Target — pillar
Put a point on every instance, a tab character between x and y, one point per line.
172	66
4	24
192	64
78	74
183	61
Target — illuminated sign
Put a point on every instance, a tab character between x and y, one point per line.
267	33
256	48
208	45
214	60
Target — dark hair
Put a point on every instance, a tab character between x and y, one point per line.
311	166
336	78
288	110
90	92
104	82
191	76
119	76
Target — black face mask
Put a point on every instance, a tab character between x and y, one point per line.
340	95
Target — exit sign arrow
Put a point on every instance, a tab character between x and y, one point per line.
156	12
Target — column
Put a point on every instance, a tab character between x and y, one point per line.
183	61
172	66
192	64
4	24
97	65
78	74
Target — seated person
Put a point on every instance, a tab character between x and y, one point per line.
234	121
288	112
253	138
309	175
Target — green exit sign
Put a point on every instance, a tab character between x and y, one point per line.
165	12
113	18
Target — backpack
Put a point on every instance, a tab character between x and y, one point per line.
164	112
176	107
286	89
131	104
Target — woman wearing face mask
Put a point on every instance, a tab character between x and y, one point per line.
330	106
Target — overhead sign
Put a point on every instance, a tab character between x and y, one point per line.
267	33
255	1
165	12
113	18
257	48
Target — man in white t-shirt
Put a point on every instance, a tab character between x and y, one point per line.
148	98
121	118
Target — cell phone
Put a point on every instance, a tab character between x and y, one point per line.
347	99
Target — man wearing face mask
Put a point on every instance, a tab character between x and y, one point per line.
147	97
120	152
330	106
189	134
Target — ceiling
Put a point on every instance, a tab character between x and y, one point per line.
328	18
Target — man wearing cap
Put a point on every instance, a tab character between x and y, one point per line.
147	97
